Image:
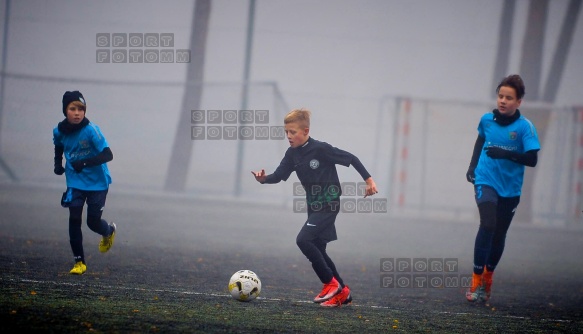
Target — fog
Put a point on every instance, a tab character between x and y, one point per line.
341	59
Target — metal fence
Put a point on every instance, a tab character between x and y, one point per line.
420	148
428	149
139	120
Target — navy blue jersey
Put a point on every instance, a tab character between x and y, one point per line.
315	165
505	176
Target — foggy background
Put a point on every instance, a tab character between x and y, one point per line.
357	65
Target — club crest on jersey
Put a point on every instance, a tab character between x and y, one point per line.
84	144
512	135
314	164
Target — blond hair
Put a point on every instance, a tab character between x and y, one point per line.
77	104
300	116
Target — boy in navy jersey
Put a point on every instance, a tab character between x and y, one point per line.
315	165
506	143
86	152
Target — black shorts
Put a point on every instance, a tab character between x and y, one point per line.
320	225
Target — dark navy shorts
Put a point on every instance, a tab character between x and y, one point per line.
95	200
484	193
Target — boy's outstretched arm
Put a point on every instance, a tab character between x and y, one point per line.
371	187
260	176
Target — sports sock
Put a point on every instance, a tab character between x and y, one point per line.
482	248
76	238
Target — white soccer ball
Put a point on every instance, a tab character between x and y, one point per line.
244	285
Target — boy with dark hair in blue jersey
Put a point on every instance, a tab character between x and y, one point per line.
315	165
506	143
87	153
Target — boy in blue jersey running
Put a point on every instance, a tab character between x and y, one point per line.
506	143
315	165
86	153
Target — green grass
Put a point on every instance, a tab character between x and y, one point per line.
169	269
63	308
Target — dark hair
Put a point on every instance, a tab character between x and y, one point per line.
514	81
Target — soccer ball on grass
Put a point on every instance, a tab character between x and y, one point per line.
244	285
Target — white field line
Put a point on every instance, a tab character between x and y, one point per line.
207	294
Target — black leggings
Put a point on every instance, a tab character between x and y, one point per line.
315	251
95	201
495	218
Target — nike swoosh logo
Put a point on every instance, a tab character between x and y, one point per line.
310	224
